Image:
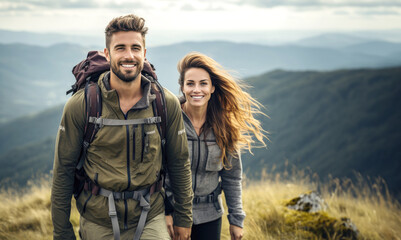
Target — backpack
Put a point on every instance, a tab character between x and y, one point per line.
86	74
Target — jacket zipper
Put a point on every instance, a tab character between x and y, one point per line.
128	166
197	164
128	174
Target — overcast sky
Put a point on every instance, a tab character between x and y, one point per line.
192	19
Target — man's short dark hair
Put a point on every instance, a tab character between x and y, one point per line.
126	23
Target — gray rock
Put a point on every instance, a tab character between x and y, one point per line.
308	202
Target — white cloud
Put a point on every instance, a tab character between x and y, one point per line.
324	3
182	19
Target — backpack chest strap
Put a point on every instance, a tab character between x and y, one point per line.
100	122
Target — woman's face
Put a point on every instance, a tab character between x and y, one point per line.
197	87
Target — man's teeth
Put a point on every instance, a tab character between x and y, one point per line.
129	65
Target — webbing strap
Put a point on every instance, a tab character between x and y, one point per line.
145	204
143	196
113	216
210	198
119	122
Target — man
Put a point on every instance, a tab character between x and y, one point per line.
122	160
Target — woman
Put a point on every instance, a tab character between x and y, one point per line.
219	121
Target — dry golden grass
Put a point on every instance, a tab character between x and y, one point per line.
368	205
25	214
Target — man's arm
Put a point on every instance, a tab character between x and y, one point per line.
178	165
67	150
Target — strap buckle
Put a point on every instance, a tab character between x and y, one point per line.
97	121
210	198
127	195
152	120
112	213
196	200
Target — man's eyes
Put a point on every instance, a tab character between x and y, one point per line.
123	48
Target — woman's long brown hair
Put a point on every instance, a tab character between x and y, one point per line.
230	110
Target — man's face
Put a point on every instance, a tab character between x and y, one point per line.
126	54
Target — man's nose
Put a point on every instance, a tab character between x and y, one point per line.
129	54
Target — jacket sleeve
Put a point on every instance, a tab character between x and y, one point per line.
67	151
178	164
232	187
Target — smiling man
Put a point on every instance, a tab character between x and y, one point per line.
123	163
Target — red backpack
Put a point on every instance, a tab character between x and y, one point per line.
86	74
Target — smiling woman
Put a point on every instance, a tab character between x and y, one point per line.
219	120
197	89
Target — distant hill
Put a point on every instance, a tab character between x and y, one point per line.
29	129
33	78
252	59
332	40
27	162
333	122
47	39
376	48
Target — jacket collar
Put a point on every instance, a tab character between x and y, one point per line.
111	94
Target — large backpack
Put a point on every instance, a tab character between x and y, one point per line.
86	74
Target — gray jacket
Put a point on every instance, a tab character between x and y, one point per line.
207	172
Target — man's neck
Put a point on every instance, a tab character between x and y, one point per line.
129	93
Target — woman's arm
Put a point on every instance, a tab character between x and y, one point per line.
232	187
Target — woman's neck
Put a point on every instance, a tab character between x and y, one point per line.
197	115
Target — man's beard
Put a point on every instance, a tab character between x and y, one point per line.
125	77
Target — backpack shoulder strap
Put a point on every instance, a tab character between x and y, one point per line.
93	108
160	110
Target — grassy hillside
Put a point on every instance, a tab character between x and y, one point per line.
26	214
333	122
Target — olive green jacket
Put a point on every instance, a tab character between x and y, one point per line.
120	158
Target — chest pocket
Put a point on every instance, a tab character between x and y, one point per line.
151	143
213	162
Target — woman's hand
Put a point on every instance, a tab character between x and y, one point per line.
236	232
170	227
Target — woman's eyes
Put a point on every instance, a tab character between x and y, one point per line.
202	83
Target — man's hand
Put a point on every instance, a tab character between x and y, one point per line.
170	227
181	233
236	232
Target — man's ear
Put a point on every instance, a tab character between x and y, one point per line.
107	54
144	54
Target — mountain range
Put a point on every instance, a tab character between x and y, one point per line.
334	123
34	78
332	106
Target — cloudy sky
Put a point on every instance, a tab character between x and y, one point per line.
175	20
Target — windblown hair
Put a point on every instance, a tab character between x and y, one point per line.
126	23
230	110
